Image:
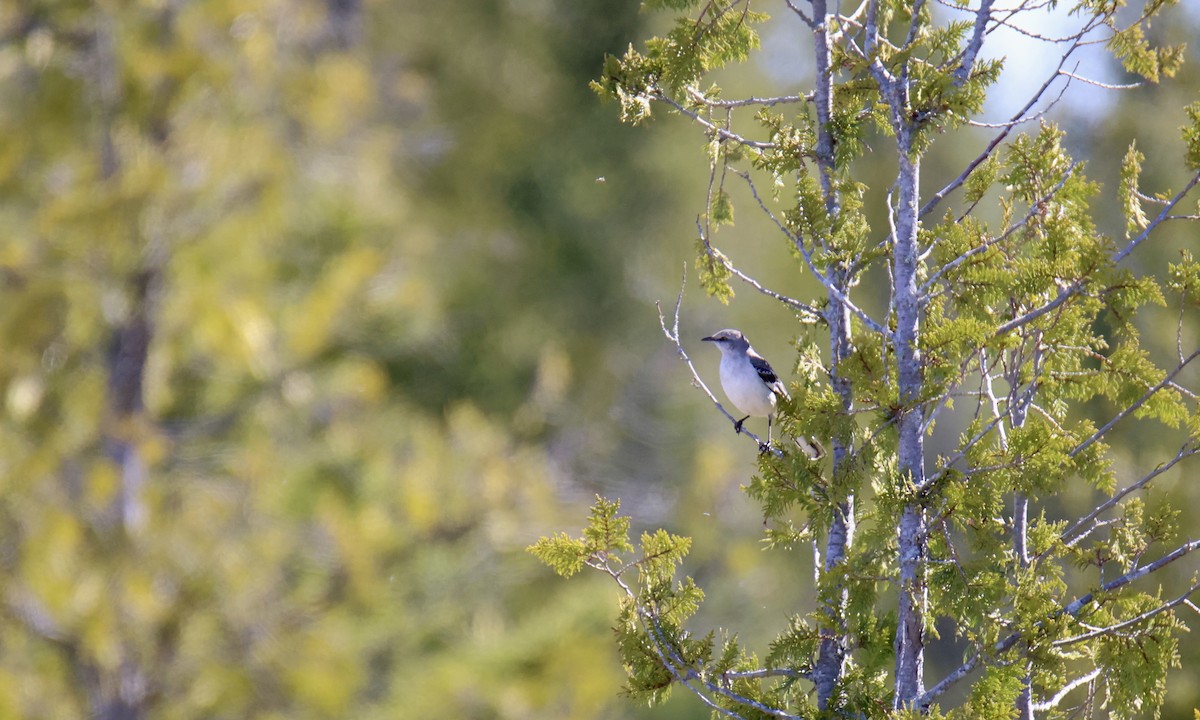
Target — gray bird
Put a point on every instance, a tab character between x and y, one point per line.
752	385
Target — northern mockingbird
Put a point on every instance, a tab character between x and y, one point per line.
752	385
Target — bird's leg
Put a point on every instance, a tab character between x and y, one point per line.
737	426
765	447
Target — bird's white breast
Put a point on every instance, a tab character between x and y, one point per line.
745	388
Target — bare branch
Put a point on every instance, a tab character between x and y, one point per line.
982	15
1076	38
699	97
1013	122
726	263
765	672
712	127
1135	574
952	679
1097	83
1066	690
914	25
800	13
1162	216
873	38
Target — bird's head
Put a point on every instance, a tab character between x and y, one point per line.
728	340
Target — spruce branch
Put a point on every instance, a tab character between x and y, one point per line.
1080	529
1131	622
1035	209
1133	407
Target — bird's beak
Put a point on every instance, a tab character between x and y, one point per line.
708	339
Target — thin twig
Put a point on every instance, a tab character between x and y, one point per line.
726	263
699	97
1097	83
1112	629
1134	406
720	131
1069	536
1066	690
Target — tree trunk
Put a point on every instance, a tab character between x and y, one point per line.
831	656
910	633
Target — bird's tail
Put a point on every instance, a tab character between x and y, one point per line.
810	447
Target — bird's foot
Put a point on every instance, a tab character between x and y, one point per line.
763	448
737	426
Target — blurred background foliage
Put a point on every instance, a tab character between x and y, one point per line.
315	313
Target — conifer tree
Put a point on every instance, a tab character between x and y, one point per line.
1005	312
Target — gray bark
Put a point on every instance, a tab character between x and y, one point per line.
910	633
831	655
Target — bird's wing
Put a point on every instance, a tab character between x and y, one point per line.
766	373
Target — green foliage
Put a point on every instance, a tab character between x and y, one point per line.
993	696
1135	688
719	36
693	47
721	210
607	534
850	124
630	80
1131	169
714	271
565	555
650	636
1137	55
808	219
1191	137
1185	278
981	179
795	647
